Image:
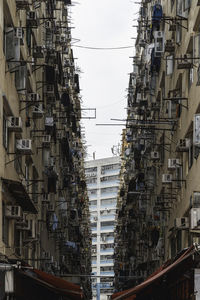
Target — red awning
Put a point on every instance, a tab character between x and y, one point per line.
131	293
56	284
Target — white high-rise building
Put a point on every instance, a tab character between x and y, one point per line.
102	182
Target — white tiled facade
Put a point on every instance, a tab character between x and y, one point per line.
102	182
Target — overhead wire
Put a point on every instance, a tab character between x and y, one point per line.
103	48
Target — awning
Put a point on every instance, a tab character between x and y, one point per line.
19	193
132	293
52	284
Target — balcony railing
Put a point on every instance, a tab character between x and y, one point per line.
107	261
109	273
110	228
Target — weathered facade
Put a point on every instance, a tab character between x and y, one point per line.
159	198
43	196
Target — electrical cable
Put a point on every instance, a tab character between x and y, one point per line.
103	48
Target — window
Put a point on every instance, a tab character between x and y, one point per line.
93	202
92	192
18	164
108	223
179	7
178	33
5	131
17	240
172	4
21	78
169	64
107	246
190	77
111	201
196	130
29	38
198	75
109	190
5	226
106	269
191	154
91	180
109	167
35	186
12	45
27	174
186	4
179	177
109	178
90	170
171	109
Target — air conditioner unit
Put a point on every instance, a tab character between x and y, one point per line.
57	38
50	89
166	178
33	97
195	200
174	163
46	139
184	144
92	174
63	38
38	111
32	18
48	24
159	43
13	212
181	222
52	161
155	155
68	36
14	123
36	4
103	238
31	228
22	3
59	135
23	224
38	52
24	145
49	121
19	33
51	207
46	255
195	218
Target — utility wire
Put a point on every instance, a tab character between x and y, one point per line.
103	48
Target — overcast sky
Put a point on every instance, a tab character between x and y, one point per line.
104	77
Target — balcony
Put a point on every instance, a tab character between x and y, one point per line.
107	228
107	273
109	250
113	183
107	262
108	206
108	217
94	229
106	285
93	207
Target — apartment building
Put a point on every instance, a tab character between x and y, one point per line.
44	211
102	178
159	199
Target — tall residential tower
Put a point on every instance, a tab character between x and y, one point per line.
102	182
